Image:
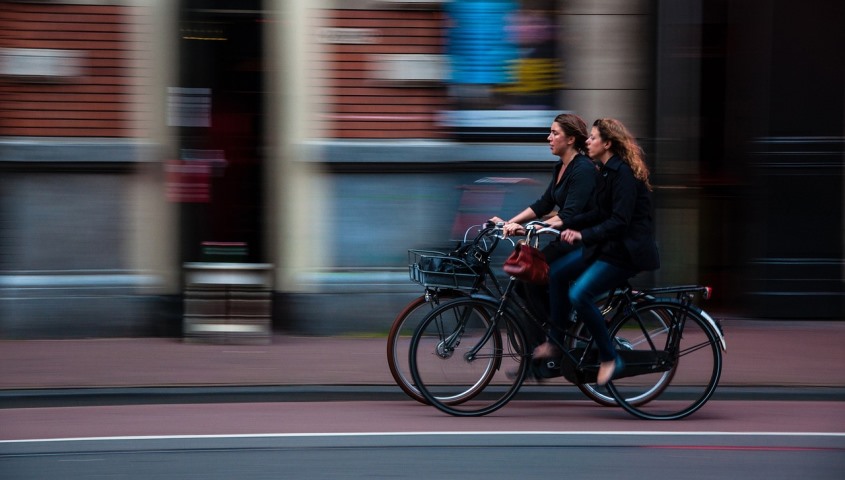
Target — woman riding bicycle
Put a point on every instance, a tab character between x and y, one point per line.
573	181
616	240
570	192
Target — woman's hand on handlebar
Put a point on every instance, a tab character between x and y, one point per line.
508	228
554	222
570	236
513	229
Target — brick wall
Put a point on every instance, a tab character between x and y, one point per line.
358	103
99	98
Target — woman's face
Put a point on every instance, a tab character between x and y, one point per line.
558	140
597	147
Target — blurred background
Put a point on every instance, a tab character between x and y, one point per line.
201	168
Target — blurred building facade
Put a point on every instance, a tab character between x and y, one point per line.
326	138
80	169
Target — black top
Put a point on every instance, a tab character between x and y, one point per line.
573	194
620	229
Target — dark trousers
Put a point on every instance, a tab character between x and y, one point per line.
574	283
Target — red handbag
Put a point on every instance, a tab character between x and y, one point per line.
528	264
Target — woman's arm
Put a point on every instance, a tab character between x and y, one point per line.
524	216
514	225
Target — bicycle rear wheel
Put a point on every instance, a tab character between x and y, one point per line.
399	340
660	337
455	350
601	395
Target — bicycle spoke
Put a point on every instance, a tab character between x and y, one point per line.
478	363
688	378
401	331
693	348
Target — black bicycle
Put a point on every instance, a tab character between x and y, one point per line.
671	347
459	273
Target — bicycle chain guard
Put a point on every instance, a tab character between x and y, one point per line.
637	362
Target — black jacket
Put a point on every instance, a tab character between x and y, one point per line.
574	193
620	229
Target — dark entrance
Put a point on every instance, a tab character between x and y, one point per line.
217	108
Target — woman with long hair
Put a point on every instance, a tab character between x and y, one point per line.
615	239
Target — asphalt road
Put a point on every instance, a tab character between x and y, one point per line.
465	456
403	439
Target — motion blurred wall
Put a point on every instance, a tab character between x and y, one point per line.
82	213
326	138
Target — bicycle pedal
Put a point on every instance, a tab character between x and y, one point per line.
547	369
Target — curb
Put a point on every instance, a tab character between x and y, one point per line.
83	397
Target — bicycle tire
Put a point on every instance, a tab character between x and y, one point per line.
440	365
695	358
401	332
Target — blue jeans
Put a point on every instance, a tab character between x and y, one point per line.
591	279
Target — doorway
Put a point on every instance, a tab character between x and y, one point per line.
219	120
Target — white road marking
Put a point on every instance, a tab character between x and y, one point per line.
410	434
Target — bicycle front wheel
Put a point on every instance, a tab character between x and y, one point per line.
660	337
399	340
456	349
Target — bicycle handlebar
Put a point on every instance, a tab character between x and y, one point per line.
537	227
496	230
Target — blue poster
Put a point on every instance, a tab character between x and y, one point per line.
505	70
480	48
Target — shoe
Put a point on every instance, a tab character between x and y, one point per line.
610	370
546	350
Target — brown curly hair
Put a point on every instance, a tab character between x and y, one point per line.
624	144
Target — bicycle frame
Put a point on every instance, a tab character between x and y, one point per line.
582	366
508	302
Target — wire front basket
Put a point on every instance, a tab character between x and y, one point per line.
430	268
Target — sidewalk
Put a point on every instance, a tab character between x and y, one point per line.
760	354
